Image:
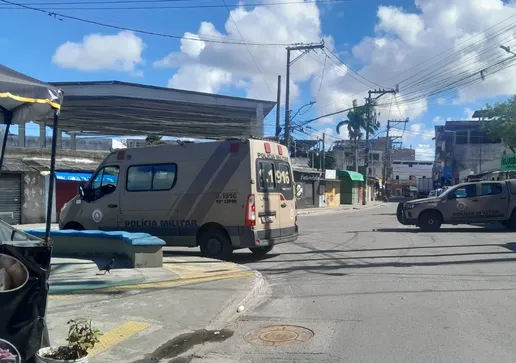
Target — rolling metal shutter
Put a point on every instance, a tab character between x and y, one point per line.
10	198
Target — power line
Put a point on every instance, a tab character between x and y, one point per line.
449	49
351	69
44	6
322	78
454	46
246	47
60	16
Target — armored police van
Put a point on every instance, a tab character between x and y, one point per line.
478	202
220	196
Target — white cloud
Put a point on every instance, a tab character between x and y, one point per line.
400	51
416	128
120	52
394	21
469	113
258	74
200	78
425	152
438	120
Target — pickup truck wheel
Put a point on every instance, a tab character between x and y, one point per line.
512	222
399	213
261	251
430	221
215	244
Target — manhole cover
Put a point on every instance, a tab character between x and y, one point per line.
277	335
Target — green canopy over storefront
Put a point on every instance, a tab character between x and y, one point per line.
508	163
350	175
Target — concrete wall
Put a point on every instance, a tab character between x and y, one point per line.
345	162
476	158
404	171
33	198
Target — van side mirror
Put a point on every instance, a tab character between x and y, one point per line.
452	196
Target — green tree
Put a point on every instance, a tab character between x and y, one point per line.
503	122
329	160
357	126
154	140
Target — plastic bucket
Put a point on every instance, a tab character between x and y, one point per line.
41	359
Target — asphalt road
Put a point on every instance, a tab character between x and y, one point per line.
372	290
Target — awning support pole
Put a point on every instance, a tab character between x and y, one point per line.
52	176
8	118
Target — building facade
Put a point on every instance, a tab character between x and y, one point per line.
344	156
405	174
25	179
463	148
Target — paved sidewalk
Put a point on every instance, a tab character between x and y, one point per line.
75	275
340	208
141	311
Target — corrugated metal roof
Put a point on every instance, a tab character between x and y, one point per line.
62	164
15	166
23	165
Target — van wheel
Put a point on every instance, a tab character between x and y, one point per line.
215	244
430	221
261	251
74	225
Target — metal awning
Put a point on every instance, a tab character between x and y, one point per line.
23	99
122	108
351	175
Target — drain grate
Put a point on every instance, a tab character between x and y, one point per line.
278	335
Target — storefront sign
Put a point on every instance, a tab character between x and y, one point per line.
309	177
508	163
330	174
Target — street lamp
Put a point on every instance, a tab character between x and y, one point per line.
507	49
308	104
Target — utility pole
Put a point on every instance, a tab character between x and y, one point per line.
369	104
305	48
387	156
323	165
278	108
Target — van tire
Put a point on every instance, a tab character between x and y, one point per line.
430	221
261	251
215	244
74	226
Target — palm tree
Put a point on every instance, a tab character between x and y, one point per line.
154	140
356	124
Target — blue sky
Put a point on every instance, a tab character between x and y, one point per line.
378	39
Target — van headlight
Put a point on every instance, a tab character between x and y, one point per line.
408	206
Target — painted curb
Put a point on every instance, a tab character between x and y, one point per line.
156	285
249	298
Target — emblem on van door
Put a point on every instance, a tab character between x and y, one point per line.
96	215
461	206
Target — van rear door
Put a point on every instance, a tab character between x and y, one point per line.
285	183
267	200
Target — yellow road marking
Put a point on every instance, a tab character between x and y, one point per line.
186	272
117	335
161	284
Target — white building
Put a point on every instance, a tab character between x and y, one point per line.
411	169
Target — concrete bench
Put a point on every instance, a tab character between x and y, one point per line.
142	249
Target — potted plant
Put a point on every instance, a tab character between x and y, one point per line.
81	338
